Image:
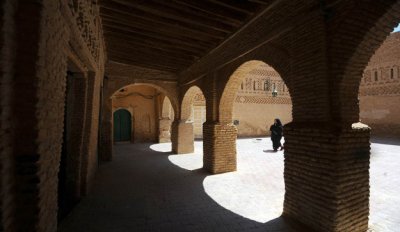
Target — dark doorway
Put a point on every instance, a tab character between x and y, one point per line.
63	198
69	182
122	125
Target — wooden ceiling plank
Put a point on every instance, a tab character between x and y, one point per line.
177	15
151	43
148	58
187	42
146	52
174	54
160	29
261	2
214	9
157	22
199	13
245	7
144	65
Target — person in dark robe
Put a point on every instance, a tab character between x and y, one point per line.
276	134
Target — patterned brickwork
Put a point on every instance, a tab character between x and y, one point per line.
262	100
380	89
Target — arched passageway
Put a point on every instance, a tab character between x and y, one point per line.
323	47
259	84
140	113
166	118
190	123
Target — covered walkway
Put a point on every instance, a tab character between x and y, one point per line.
147	188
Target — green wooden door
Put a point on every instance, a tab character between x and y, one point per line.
122	125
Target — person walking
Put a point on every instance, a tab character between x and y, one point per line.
276	134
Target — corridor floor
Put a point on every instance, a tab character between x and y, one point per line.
146	188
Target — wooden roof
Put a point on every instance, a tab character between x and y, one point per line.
171	35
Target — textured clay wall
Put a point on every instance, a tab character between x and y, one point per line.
254	107
380	89
255	119
142	103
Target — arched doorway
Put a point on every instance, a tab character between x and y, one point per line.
122	125
253	96
192	117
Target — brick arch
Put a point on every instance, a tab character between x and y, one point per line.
351	56
225	109
187	101
169	94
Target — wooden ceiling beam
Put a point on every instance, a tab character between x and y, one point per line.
154	60
173	54
199	14
151	43
111	27
245	7
159	29
214	9
261	2
154	54
124	60
176	15
138	18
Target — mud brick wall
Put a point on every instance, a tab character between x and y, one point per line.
34	56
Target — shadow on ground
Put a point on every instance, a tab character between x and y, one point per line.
385	140
141	190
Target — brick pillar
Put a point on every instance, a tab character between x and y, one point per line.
327	176
106	148
219	147
182	137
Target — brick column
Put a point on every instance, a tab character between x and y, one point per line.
327	176
219	147
182	137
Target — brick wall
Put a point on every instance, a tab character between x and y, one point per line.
7	45
380	89
38	29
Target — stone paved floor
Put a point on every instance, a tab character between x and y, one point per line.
385	185
146	188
